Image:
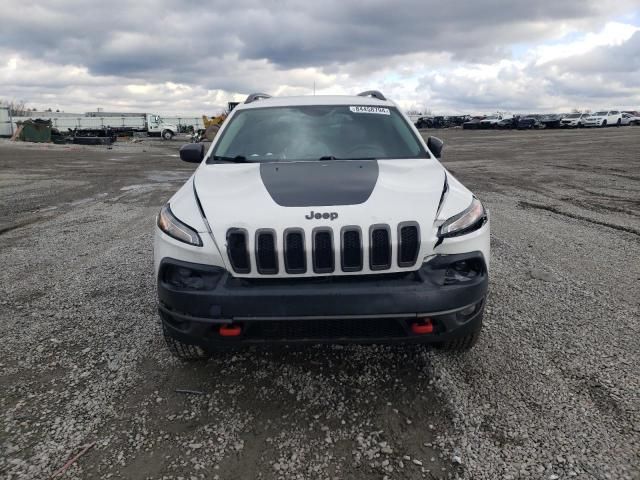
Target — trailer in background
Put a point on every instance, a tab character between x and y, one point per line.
6	125
118	123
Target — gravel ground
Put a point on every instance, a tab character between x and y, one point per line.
551	391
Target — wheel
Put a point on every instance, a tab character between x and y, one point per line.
184	351
462	344
604	123
618	123
579	124
167	134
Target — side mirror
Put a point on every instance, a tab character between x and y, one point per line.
192	152
435	145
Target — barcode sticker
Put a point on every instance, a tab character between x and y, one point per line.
364	109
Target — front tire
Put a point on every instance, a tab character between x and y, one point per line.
604	123
167	134
184	351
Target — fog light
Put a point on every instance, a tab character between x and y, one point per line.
467	311
463	271
192	279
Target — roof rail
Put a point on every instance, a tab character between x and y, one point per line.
256	96
373	93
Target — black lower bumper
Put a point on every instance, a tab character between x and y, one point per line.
195	301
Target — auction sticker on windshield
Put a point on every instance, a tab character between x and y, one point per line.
363	109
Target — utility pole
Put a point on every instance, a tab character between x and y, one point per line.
314	88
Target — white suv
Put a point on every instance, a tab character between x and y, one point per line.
574	120
605	118
320	219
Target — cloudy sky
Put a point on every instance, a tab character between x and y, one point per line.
461	56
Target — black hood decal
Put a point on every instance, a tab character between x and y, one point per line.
320	184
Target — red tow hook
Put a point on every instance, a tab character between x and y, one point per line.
230	330
422	327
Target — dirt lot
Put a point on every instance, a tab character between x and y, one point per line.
551	391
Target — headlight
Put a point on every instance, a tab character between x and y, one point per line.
465	222
173	227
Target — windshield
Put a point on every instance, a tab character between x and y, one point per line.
574	115
307	133
599	114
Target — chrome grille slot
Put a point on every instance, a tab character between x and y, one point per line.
266	256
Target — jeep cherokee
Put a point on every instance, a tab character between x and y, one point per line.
320	219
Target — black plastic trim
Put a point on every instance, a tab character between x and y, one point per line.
260	268
287	268
422	292
373	93
257	96
373	228
314	233
401	225
345	229
246	243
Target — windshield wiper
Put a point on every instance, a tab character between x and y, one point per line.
236	159
331	157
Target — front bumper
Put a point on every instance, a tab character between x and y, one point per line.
196	300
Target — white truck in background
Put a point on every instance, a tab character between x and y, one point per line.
6	129
152	124
492	121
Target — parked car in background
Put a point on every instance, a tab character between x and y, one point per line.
507	123
552	121
529	123
574	120
472	124
630	118
493	120
605	118
424	122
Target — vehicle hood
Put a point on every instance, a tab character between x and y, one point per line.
284	195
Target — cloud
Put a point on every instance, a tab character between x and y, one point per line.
195	56
599	69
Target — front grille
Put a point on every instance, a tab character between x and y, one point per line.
348	328
382	252
238	251
380	249
266	257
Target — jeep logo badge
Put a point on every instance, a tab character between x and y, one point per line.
319	216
